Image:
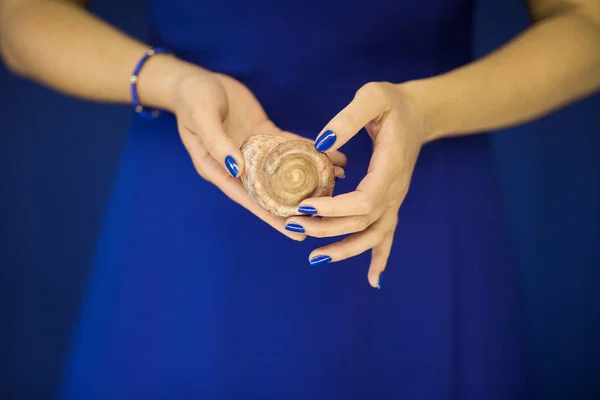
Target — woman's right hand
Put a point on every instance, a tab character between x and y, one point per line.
215	114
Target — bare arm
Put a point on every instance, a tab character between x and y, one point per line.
61	45
553	63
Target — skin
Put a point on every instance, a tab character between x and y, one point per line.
553	63
61	45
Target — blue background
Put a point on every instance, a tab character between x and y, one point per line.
58	157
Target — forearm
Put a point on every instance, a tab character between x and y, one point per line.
553	63
62	46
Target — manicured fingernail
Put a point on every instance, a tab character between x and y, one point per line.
319	260
325	141
307	210
379	282
232	166
293	227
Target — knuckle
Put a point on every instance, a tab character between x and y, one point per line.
347	120
375	237
363	222
211	143
201	161
372	89
344	254
333	211
377	92
395	202
367	205
319	232
368	88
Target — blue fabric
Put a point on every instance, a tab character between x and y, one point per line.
191	296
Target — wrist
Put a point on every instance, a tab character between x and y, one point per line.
159	78
426	99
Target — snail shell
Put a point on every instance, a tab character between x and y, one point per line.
280	173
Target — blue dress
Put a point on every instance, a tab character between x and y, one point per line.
193	297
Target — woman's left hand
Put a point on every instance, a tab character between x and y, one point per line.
370	213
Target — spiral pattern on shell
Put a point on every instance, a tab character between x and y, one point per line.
281	173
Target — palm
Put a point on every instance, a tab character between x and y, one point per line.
243	114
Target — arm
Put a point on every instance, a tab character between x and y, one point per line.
553	63
61	45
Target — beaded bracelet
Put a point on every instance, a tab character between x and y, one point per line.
147	113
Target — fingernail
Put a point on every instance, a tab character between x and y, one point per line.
307	210
232	166
379	282
319	260
293	227
325	141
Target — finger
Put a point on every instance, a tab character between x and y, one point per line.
339	172
330	227
232	188
369	194
209	128
379	259
351	246
363	201
235	190
368	104
336	157
343	205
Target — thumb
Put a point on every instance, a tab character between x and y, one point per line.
368	104
220	146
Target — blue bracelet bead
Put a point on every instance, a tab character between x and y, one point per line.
144	112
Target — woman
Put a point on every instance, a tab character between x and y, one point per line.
192	296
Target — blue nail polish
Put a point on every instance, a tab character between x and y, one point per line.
379	282
307	210
319	260
293	227
232	166
325	141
